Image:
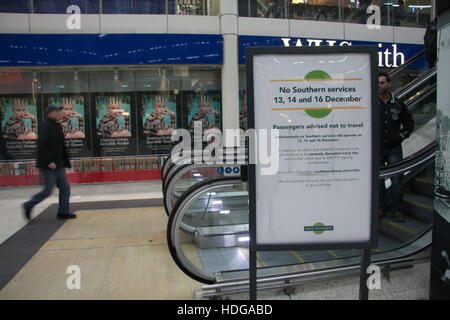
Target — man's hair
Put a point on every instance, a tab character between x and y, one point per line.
383	74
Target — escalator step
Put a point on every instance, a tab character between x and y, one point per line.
402	231
419	207
424	186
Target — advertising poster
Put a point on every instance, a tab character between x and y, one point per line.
157	121
318	188
114	125
75	123
204	108
19	127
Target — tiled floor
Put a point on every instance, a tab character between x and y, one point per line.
120	253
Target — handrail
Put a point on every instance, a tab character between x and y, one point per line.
407	63
409	163
175	221
388	256
169	186
414	84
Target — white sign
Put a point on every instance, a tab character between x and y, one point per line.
321	104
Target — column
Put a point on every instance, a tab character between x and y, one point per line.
230	72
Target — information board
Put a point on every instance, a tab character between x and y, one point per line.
321	104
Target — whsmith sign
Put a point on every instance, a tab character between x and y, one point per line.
390	55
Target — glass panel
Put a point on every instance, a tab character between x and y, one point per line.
149	7
268	8
60	6
13	80
63	81
412	13
117	80
406	13
197	7
117	6
15	6
327	10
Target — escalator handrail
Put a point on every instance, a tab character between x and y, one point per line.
179	208
181	170
387	256
407	63
409	163
175	220
164	168
414	84
191	160
415	102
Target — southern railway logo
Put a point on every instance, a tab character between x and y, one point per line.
319	228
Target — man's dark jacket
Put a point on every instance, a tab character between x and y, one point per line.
396	123
51	145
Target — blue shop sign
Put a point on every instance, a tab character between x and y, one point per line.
109	49
390	55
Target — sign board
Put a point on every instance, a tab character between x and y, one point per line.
323	102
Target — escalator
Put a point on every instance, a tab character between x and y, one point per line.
208	226
417	95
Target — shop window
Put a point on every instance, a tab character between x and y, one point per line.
117	120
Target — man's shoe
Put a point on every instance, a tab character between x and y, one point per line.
26	212
66	216
398	216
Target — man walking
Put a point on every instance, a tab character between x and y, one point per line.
51	161
396	125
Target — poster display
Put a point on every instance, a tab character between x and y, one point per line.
157	121
114	125
19	127
75	122
204	108
323	103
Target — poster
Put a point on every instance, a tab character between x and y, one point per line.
204	108
19	127
319	188
157	121
114	125
75	122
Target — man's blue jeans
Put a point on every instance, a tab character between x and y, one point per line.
51	178
392	198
